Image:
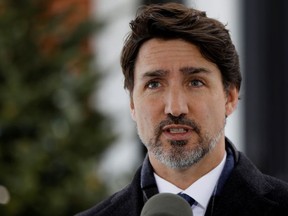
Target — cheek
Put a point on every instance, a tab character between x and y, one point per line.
211	114
145	126
146	117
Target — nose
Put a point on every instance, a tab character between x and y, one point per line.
176	103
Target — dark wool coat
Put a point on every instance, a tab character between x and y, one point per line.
246	192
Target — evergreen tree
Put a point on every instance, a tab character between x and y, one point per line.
50	135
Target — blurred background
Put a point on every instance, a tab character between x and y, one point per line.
66	136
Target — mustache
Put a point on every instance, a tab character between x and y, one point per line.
178	120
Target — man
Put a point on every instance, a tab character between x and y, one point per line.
182	72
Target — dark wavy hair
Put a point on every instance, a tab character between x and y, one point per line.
176	21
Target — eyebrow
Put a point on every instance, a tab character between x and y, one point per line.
184	70
155	73
194	70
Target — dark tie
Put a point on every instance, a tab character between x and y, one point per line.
189	199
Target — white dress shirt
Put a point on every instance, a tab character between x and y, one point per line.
200	191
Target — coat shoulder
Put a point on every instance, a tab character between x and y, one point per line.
267	192
104	207
127	201
279	190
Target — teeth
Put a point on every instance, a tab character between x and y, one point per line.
177	130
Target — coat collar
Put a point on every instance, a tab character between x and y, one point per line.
245	191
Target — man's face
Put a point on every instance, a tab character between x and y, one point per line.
178	102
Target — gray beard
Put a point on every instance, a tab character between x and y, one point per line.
179	156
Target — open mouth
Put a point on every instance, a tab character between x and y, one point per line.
177	132
177	129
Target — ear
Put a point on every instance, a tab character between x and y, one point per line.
132	109
231	100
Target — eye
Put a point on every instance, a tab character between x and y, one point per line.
196	83
153	85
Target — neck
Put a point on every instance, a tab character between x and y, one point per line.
183	178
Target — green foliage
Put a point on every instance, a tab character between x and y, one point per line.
50	136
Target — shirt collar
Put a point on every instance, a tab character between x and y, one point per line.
201	190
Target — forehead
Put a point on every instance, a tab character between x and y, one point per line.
170	55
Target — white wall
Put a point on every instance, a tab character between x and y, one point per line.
113	100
